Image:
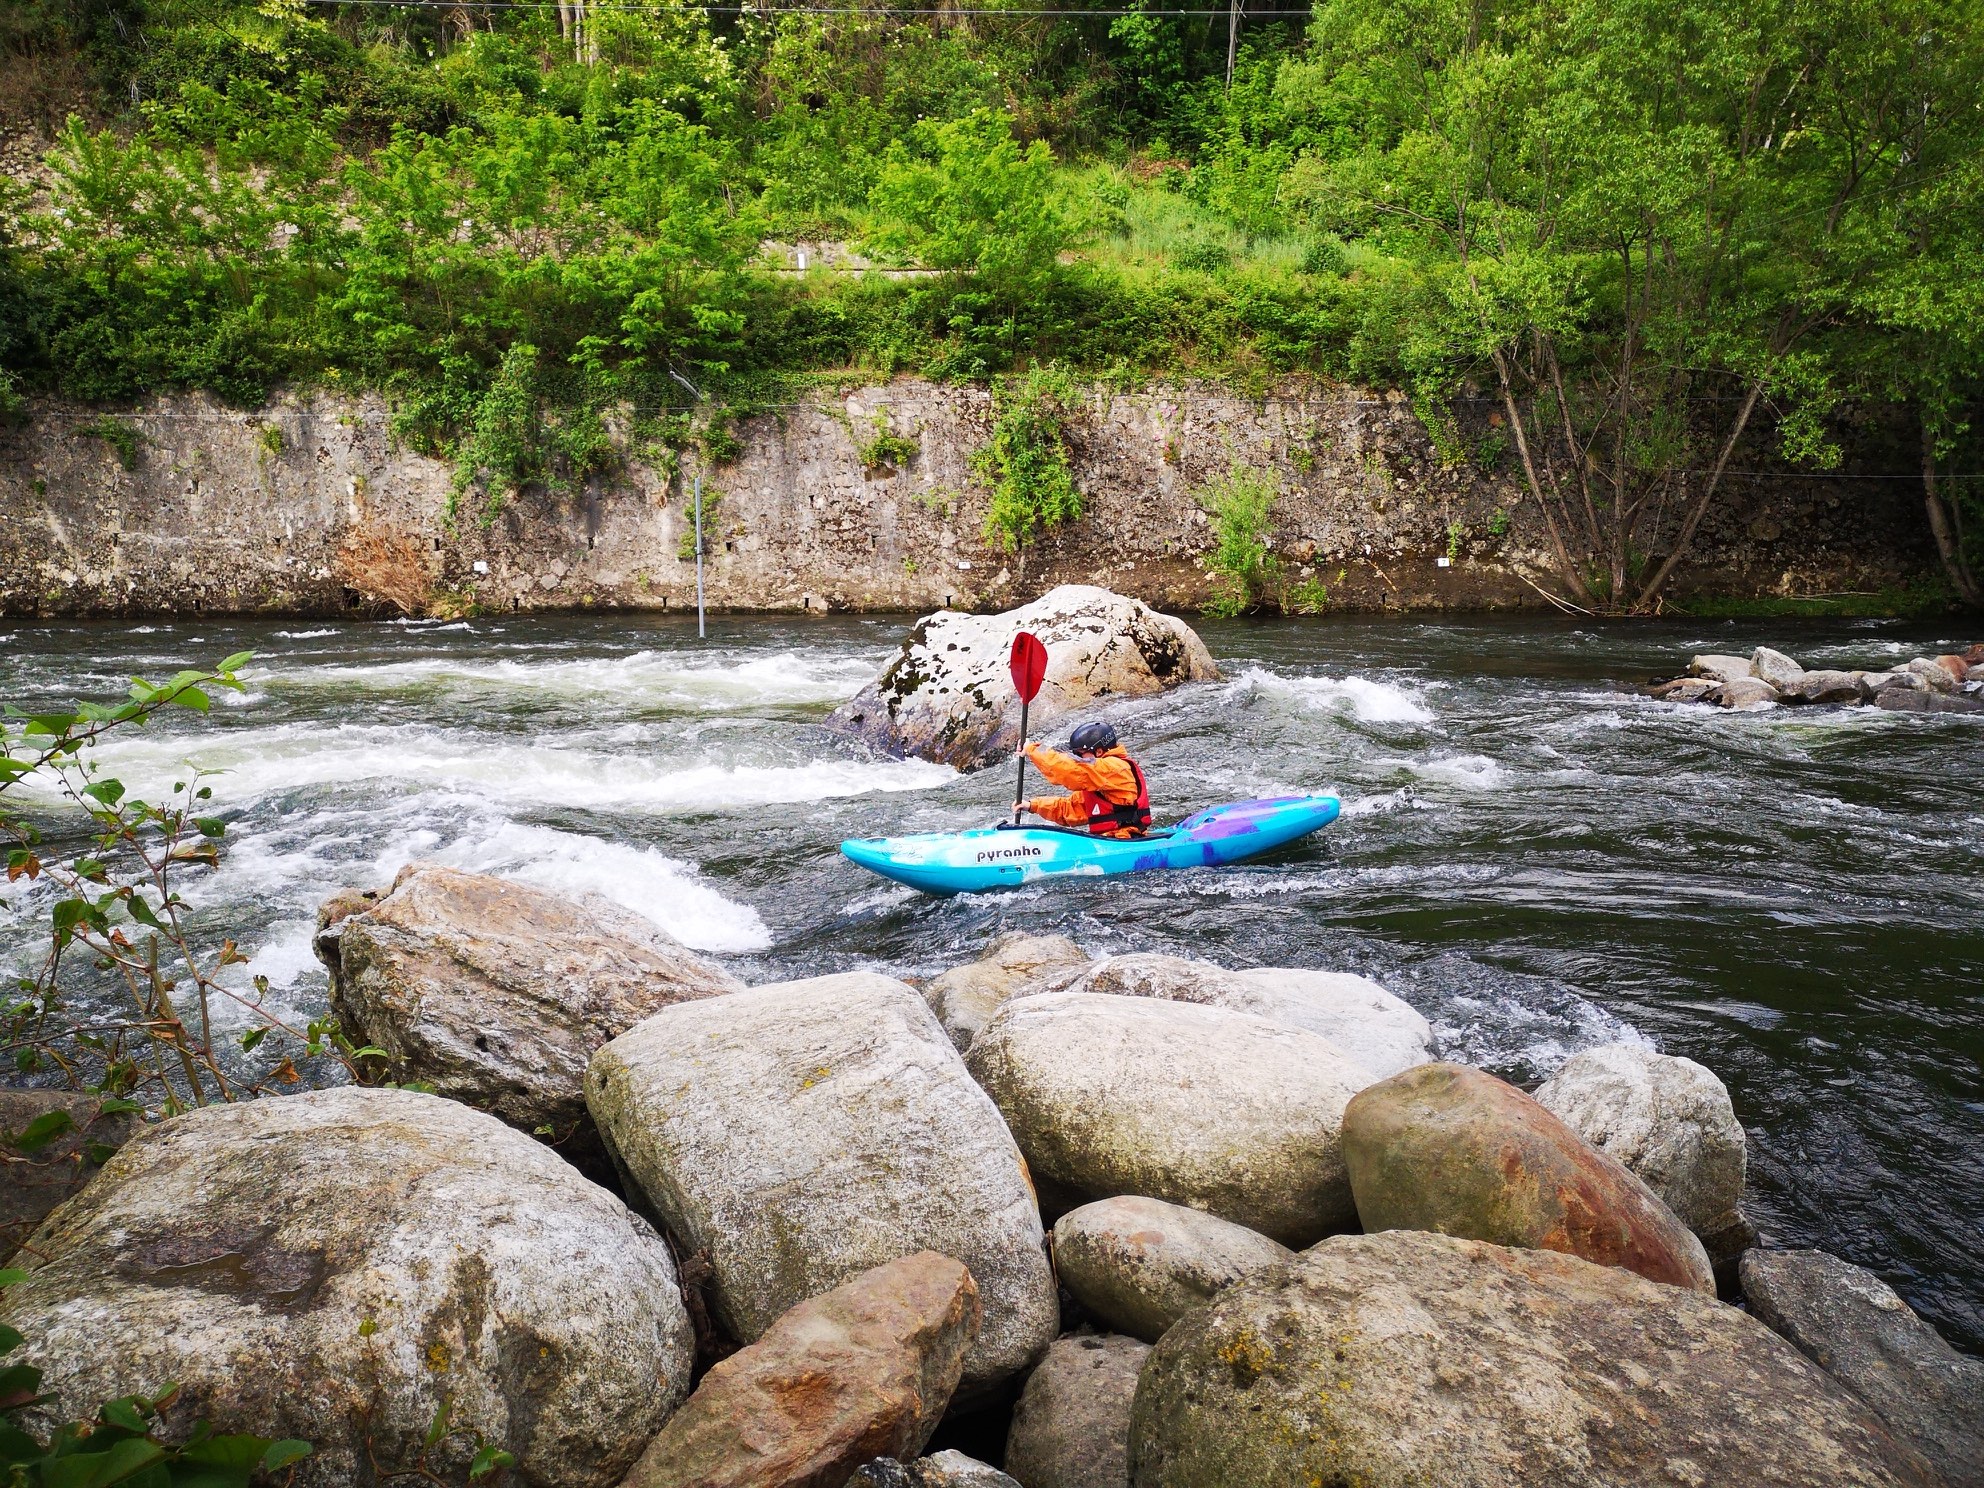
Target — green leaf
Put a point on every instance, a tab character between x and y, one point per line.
282	1453
44	1129
487	1461
251	1038
438	1427
210	826
125	1413
118	1463
236	662
110	792
10	1339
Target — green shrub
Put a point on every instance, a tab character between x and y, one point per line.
1241	505
1026	462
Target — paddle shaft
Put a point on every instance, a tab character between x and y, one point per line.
1019	787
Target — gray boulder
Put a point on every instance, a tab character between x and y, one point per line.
1410	1358
1748	692
800	1133
1217	1110
1671	1123
1934	674
337	1264
1720	668
497	993
1775	668
1014	965
947	696
1377	1031
1824	687
1852	1325
939	1470
47	1163
1141	1264
1071	1428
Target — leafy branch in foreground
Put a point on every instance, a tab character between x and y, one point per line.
113	905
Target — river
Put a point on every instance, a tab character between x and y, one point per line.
1536	859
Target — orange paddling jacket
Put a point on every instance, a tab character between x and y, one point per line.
1108	794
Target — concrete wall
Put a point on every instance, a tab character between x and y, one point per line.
328	514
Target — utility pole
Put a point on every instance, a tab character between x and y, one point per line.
1232	39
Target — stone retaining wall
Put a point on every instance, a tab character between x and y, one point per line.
328	514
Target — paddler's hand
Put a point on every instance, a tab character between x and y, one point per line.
1018	808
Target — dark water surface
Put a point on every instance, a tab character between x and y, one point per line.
1536	860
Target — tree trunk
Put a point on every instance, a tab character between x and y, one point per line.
1232	39
1943	525
1687	536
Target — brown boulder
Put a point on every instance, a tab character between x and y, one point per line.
1071	1428
497	994
1446	1148
39	1168
860	1372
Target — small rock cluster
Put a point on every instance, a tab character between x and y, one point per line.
1154	1222
1941	684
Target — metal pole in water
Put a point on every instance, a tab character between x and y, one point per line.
699	556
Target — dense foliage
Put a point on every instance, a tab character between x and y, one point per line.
1601	240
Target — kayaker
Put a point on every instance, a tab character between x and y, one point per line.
1107	791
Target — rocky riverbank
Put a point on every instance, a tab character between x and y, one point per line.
1135	1220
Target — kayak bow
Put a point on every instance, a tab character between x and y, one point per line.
997	858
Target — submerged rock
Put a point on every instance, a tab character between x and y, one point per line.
38	1173
1446	1148
497	993
1071	1428
798	1134
334	1265
1406	1359
1378	1032
1014	965
1852	1325
1672	1124
1748	692
862	1371
1218	1110
947	696
1141	1264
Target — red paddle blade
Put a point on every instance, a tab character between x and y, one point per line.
1028	665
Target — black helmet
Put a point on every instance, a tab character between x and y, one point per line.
1094	737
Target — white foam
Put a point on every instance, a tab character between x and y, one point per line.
1473	771
1368	700
664	890
306	635
642	679
257	763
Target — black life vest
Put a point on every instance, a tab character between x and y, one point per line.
1106	816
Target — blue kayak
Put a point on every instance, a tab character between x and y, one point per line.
1001	857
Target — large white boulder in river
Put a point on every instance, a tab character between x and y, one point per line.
800	1133
1216	1110
1669	1121
1409	1358
496	993
335	1265
947	696
1378	1031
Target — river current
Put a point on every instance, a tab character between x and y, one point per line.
1536	858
